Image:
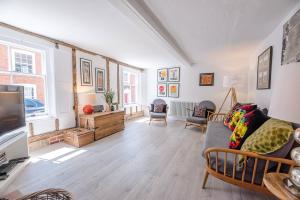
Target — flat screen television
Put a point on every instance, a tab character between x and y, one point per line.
12	112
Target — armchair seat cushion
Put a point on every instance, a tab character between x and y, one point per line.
196	120
158	115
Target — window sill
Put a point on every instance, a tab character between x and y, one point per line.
40	117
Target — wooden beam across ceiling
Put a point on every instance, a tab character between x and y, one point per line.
59	42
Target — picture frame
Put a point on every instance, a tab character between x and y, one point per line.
173	90
99	80
206	79
174	74
290	52
264	69
162	75
162	89
86	75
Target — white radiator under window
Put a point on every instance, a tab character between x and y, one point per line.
179	108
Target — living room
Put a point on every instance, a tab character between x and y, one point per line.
149	99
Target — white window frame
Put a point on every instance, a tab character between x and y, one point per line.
13	58
31	86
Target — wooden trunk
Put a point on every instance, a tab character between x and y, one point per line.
104	123
79	137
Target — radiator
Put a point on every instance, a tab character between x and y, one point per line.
179	108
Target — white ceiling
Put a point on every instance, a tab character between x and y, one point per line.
218	32
154	33
95	25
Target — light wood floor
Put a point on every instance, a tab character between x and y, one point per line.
143	162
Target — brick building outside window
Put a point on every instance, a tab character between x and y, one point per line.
24	66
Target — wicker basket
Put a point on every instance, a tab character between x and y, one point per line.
49	194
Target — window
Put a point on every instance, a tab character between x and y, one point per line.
23	61
22	65
130	87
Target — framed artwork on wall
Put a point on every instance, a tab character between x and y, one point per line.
162	75
173	90
99	80
290	43
161	89
264	67
207	79
86	72
174	74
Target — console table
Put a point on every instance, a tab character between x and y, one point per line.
103	123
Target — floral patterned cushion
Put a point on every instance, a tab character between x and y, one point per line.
199	111
158	108
245	127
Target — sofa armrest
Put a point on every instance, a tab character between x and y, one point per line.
223	153
216	116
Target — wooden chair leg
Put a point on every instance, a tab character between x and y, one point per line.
150	121
205	179
185	125
166	122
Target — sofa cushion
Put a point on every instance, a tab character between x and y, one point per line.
229	115
217	135
196	120
245	127
158	115
268	138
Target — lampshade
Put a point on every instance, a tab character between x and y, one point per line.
285	99
87	98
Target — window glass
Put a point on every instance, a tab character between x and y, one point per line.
22	65
130	87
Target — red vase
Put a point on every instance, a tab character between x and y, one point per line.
88	109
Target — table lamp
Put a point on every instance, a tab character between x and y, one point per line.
86	102
285	105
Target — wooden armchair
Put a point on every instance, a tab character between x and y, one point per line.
200	121
158	116
222	163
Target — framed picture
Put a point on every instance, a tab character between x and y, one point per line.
162	75
264	67
174	74
291	37
161	89
99	80
207	79
86	72
173	90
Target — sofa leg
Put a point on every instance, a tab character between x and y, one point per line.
205	179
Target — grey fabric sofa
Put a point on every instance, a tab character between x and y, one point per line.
222	162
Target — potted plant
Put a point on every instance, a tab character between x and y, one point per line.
109	96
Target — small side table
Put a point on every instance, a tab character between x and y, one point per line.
274	183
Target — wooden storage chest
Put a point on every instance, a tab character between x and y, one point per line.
104	123
79	137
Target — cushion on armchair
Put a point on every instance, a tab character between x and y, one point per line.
158	108
199	111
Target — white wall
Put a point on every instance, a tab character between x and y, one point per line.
192	92
263	97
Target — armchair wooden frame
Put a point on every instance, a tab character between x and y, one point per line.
222	153
202	126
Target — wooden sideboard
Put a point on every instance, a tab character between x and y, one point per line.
103	123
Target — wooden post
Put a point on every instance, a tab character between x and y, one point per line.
118	85
107	72
31	129
75	95
57	124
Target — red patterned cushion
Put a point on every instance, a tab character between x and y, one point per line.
158	108
199	111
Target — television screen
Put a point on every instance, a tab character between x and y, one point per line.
12	113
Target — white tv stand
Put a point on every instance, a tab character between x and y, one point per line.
15	147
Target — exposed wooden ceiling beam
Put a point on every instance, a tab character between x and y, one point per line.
55	41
